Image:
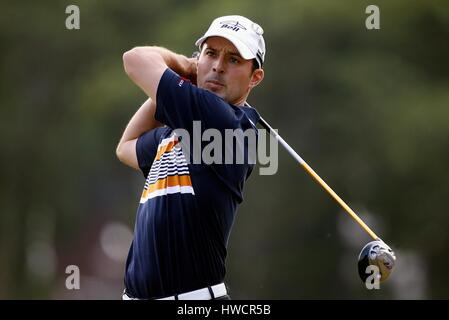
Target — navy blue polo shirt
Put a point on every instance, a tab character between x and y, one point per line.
187	208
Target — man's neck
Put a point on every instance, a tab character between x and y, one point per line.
240	103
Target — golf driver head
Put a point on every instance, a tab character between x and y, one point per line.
376	253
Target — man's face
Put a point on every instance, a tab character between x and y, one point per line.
223	71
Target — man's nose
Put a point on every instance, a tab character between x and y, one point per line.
218	65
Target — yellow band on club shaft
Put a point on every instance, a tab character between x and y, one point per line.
323	184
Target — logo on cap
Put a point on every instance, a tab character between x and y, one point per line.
233	25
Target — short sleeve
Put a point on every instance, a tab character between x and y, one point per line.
179	103
146	148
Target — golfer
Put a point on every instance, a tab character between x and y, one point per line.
186	208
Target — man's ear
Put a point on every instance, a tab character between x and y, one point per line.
256	77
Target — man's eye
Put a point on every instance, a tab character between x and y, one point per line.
234	60
210	53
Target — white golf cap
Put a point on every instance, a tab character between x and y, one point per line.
242	32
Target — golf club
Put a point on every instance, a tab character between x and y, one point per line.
317	178
376	252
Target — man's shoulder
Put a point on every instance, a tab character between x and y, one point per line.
170	80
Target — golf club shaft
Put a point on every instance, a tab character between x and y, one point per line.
317	178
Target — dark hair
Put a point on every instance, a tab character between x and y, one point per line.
255	65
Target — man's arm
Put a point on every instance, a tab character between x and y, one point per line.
146	65
142	121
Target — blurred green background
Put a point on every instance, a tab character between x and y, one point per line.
367	109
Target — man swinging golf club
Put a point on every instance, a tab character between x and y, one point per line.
186	210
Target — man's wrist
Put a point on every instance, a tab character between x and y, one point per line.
182	65
188	68
177	62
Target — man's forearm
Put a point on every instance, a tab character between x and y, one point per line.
142	121
146	65
177	62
